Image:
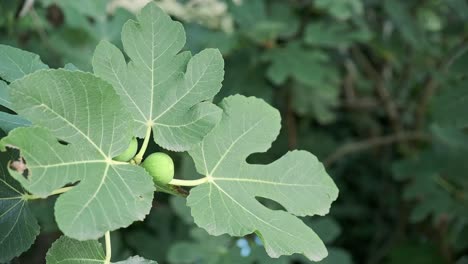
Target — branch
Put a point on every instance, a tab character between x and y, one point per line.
388	102
372	143
26	7
382	91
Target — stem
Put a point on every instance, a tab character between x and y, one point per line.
58	191
139	157
108	248
358	146
189	182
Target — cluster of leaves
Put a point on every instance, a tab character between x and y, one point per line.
374	88
65	126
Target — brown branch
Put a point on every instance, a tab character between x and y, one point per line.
348	82
351	99
380	88
364	103
372	143
388	103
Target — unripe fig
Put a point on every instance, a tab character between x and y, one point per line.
160	166
129	153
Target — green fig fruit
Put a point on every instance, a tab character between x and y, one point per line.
160	166
129	153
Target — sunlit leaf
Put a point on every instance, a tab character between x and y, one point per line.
16	63
165	90
87	114
227	202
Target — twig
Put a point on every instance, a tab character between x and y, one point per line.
351	99
382	92
26	7
388	103
348	83
372	143
364	103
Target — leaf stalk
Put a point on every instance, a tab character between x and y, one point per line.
189	182
139	157
108	248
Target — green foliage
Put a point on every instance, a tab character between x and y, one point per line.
375	89
164	90
249	125
68	251
80	122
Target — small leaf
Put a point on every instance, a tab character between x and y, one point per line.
400	14
334	35
205	248
164	89
341	9
86	113
318	101
310	67
16	63
227	202
19	227
69	251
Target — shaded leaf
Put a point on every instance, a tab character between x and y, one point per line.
334	35
19	227
310	67
69	251
448	105
341	9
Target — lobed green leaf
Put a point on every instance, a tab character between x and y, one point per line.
227	202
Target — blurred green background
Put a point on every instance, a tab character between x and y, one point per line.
375	88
